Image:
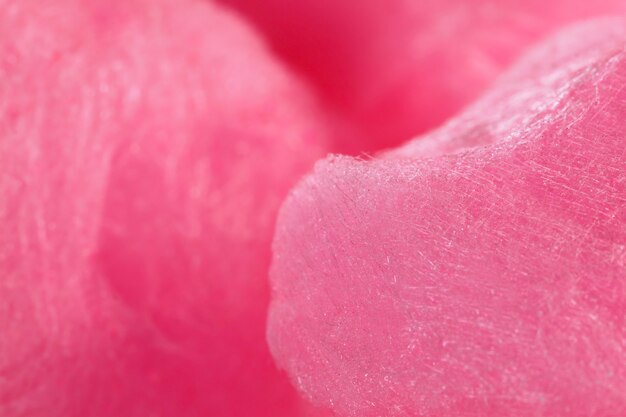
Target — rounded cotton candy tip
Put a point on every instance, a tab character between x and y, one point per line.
478	271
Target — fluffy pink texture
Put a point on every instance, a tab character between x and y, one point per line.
480	270
396	68
144	149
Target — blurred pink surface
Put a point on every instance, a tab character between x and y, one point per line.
145	147
397	68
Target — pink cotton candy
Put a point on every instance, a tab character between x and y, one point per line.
145	146
479	270
396	68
